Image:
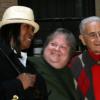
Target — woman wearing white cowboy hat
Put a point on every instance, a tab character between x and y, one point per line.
18	78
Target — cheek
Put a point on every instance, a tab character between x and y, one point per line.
66	51
22	37
66	55
90	42
48	51
22	41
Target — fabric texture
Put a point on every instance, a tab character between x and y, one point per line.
10	86
59	81
86	72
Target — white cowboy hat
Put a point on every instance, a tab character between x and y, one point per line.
19	14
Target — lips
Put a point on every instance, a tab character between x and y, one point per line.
97	44
55	54
29	39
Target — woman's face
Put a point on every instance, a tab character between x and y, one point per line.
57	52
26	35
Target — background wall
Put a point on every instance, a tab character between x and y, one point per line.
97	5
5	4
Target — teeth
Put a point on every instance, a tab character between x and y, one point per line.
29	39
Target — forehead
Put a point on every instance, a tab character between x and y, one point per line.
59	37
92	27
26	25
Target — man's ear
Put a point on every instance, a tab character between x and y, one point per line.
82	38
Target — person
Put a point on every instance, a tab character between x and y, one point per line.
86	66
57	50
19	80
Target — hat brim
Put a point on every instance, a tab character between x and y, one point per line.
32	23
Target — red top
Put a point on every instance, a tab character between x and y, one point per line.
96	75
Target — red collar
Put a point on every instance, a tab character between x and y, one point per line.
94	56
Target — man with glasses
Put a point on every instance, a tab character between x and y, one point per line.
86	66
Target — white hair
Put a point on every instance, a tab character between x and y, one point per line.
87	21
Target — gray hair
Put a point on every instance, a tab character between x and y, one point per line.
87	21
69	37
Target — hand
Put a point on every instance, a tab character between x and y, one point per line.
27	79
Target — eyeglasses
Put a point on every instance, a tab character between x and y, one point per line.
55	45
93	35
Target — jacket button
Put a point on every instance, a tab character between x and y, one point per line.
15	97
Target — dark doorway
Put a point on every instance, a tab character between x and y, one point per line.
51	14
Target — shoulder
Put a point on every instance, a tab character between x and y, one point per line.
38	62
74	60
33	58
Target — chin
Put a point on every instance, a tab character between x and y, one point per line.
25	47
59	67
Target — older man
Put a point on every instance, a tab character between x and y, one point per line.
86	66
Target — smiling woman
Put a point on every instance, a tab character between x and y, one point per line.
57	51
18	77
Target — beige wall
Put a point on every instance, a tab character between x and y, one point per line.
5	4
97	7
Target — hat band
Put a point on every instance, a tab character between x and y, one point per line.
19	19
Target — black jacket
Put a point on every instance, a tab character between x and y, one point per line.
10	86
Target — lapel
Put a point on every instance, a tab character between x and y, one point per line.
8	53
89	62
